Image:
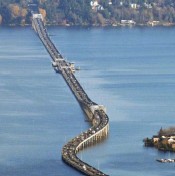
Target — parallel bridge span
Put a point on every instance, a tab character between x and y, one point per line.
95	113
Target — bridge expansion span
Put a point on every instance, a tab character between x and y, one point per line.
95	113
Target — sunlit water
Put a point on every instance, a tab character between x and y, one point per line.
129	70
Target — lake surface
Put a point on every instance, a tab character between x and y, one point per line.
129	70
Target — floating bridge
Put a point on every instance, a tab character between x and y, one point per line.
96	113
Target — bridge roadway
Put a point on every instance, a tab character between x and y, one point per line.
94	112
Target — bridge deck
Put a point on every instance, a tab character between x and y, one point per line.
97	116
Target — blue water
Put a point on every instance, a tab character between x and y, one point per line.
129	70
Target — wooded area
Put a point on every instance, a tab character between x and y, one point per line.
90	12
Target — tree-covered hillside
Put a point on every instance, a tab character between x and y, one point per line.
90	12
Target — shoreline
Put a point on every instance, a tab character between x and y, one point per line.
95	26
163	141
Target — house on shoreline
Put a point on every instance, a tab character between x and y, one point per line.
165	140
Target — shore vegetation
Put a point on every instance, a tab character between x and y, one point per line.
91	12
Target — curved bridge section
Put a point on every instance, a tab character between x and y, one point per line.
96	113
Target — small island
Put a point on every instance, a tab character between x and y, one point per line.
164	140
